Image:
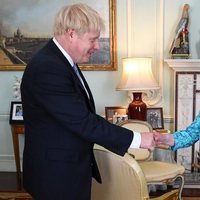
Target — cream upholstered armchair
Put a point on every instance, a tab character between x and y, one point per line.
155	172
122	179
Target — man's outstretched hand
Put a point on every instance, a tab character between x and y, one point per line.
147	141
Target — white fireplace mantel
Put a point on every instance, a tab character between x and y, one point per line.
187	103
184	64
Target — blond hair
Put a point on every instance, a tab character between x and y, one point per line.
80	17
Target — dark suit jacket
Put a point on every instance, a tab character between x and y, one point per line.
60	129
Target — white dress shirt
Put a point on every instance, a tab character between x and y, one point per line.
136	140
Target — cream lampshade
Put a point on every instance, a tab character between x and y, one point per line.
137	76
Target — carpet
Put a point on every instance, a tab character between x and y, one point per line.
15	196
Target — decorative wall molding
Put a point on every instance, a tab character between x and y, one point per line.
4	117
7	163
150	97
158	54
130	27
159	38
168	119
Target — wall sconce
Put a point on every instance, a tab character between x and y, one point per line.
137	77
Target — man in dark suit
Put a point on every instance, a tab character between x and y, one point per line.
61	125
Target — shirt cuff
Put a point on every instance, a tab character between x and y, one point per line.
136	141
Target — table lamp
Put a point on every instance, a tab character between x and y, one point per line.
137	77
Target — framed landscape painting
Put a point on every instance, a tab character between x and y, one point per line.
26	26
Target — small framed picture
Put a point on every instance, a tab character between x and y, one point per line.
155	117
116	114
16	113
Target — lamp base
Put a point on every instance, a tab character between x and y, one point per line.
137	109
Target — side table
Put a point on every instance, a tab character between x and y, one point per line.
17	129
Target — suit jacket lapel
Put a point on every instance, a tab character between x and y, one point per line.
91	99
51	45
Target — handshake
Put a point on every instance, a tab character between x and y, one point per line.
149	140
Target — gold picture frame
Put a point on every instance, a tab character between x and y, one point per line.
104	60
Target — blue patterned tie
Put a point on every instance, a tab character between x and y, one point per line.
76	71
79	76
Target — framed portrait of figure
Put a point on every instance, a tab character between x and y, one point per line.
155	117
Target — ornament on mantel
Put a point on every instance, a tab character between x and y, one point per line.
16	88
180	45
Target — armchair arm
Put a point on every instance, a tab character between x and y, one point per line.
139	154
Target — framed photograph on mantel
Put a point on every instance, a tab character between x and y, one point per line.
155	117
116	114
24	31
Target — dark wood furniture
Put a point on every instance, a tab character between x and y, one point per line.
16	130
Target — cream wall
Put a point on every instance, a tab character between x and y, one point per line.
150	30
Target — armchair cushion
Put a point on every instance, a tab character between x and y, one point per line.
159	171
